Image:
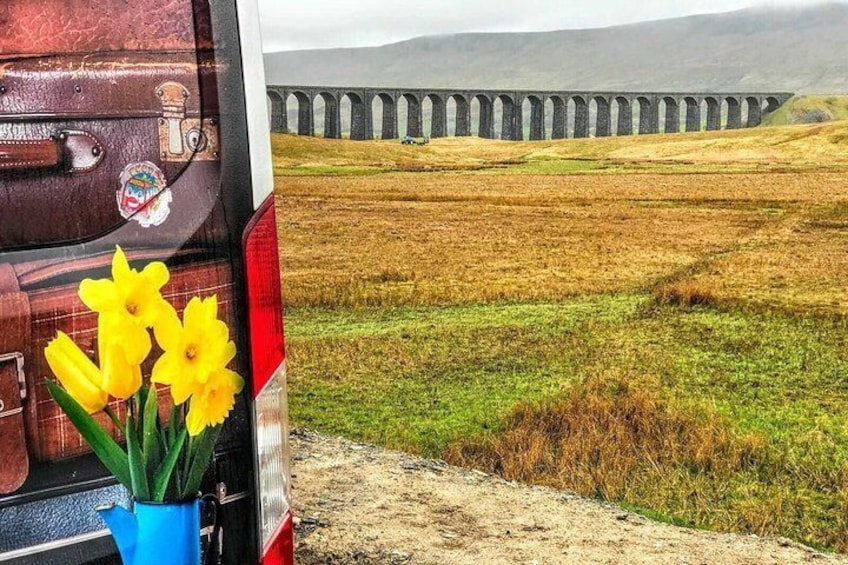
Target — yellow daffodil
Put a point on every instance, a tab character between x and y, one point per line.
211	405
77	373
194	350
129	304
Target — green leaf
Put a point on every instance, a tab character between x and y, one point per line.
150	435
140	490
203	449
141	398
107	450
173	424
138	406
166	469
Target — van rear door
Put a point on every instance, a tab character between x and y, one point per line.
139	124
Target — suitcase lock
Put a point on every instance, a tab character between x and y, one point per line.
18	359
183	138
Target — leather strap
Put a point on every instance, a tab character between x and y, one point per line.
72	150
15	337
26	154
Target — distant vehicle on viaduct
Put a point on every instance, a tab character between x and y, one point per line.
551	114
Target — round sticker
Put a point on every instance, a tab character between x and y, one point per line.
144	195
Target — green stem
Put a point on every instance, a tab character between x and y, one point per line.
189	457
136	407
114	417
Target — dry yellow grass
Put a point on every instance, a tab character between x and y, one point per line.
799	264
614	440
460	238
803	146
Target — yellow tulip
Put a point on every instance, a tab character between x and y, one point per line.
129	304
78	374
194	350
121	378
211	406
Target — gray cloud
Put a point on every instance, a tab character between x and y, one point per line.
316	24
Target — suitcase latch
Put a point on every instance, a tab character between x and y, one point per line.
18	359
183	138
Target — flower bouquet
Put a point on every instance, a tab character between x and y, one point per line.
165	458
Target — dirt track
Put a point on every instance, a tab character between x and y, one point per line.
359	504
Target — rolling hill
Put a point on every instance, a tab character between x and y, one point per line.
799	49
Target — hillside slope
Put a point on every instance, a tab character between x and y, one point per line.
765	48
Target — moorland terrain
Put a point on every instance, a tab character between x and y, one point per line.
658	321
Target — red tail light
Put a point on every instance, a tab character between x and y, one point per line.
267	351
267	354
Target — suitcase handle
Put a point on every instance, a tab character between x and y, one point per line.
73	151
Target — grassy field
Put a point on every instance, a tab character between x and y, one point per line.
657	321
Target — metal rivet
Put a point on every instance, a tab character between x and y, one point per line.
185	93
2	89
161	121
160	93
77	88
95	151
63	135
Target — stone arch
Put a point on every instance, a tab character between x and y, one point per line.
414	115
603	116
648	116
426	110
713	113
753	111
462	115
693	114
770	104
559	117
534	117
277	112
510	114
326	108
305	123
450	109
624	116
671	114
498	117
581	117
360	123
734	112
484	108
386	119
438	115
548	108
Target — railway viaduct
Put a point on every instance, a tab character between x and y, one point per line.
577	114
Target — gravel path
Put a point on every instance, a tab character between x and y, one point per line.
359	504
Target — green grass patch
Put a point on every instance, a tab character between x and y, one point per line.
328	170
419	379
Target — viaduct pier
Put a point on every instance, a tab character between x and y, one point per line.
550	114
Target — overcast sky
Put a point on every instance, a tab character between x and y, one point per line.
311	24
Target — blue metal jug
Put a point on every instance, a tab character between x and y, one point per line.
156	534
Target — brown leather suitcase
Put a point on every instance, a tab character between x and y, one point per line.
108	120
108	135
36	301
